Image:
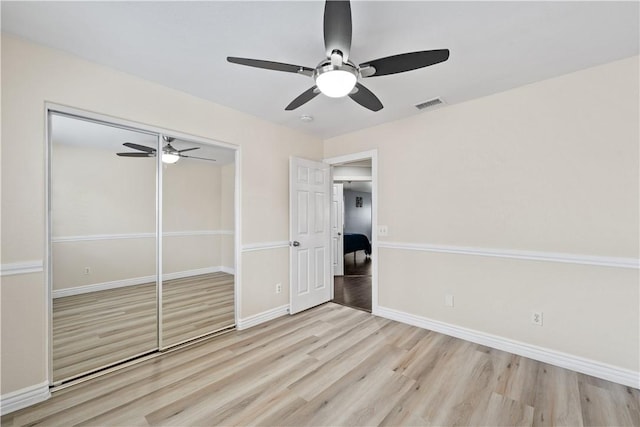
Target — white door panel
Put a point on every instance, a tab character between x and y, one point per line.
337	230
309	199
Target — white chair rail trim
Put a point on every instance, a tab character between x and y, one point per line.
602	261
93	237
249	247
26	267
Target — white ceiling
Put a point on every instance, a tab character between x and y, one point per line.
361	186
494	46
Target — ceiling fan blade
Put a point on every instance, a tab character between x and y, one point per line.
270	65
188	149
406	62
194	157
140	147
305	97
337	27
366	98
136	154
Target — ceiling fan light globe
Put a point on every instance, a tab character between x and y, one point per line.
336	83
170	158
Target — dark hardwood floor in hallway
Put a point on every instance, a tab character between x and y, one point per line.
354	288
358	264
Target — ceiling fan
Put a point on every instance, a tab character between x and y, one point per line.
169	154
337	76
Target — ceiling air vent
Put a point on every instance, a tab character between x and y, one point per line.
430	103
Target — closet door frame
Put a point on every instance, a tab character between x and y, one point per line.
52	108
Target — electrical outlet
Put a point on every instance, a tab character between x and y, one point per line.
87	271
383	230
448	300
536	318
278	288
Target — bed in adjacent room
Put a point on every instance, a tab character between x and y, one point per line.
354	242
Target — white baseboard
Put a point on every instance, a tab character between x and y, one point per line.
25	397
265	316
228	270
58	293
189	273
553	357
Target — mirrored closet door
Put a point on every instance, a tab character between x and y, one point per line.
142	251
103	246
197	241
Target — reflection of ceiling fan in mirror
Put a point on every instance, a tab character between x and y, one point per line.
169	154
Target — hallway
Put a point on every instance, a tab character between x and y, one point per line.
354	288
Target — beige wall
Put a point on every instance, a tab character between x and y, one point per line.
32	75
270	267
551	167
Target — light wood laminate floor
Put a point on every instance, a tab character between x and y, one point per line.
333	365
95	329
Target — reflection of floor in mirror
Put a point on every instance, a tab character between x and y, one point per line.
99	328
354	288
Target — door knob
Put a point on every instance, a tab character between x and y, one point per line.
296	243
339	234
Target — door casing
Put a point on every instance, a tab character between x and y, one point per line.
337	230
366	155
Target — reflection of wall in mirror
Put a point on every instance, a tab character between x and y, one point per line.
104	216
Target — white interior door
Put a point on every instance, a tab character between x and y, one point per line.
337	228
310	232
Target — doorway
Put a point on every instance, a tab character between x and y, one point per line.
354	241
141	249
